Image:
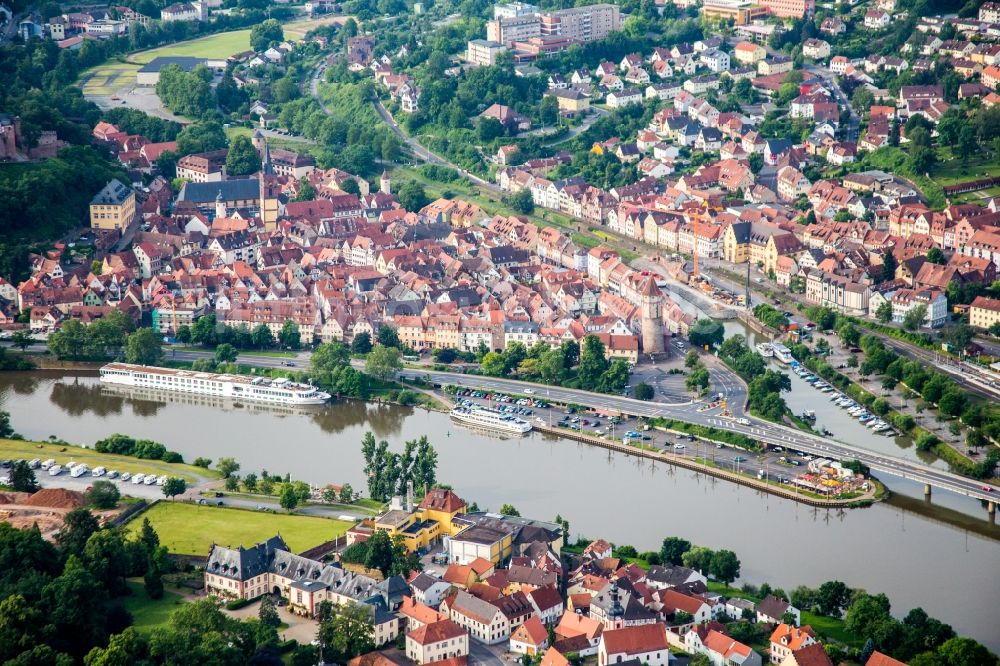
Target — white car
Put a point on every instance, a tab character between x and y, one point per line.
743	421
529	391
138	479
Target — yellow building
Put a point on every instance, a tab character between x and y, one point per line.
423	526
113	207
984	312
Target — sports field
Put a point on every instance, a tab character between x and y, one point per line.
191	529
225	44
108	78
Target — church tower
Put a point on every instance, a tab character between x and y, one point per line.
652	317
385	185
220	206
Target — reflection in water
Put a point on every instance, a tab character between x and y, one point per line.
777	540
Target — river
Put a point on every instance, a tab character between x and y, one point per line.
940	556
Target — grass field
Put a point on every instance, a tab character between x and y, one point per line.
63	453
191	529
225	44
107	78
148	614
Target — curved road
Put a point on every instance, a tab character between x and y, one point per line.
770	433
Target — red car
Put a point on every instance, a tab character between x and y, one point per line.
988	489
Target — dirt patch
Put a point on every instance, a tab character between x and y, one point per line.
13	497
56	498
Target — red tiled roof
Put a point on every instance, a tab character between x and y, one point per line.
636	639
436	632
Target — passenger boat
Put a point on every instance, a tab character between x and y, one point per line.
487	418
765	349
782	353
280	391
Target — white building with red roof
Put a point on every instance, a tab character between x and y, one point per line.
437	641
645	642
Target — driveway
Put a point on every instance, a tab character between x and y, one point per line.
300	628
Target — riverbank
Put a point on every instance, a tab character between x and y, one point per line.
63	452
876	492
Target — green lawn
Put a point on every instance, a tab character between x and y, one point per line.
213	47
952	171
191	529
63	453
149	614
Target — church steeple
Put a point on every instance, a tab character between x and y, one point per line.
265	160
220	206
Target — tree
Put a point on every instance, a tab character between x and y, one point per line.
144	347
362	343
250	482
232	483
346	631
725	566
521	202
346	494
22	339
153	578
383	362
412	196
242	159
289	499
706	333
22	477
849	334
914	318
289	335
698	380
643	391
387	336
103	495
593	362
268	612
266	33
509	510
936	256
489	129
884	312
831	597
691	359
261	336
227	466
698	558
964	652
306	191
174	486
866	613
672	550
379	554
225	353
77	527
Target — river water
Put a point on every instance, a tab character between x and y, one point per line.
940	556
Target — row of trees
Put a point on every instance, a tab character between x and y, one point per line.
145	449
110	336
566	365
209	332
389	473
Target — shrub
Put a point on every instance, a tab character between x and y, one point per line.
237	604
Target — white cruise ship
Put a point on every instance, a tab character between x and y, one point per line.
235	387
765	349
486	418
782	353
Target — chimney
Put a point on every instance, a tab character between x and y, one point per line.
409	495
